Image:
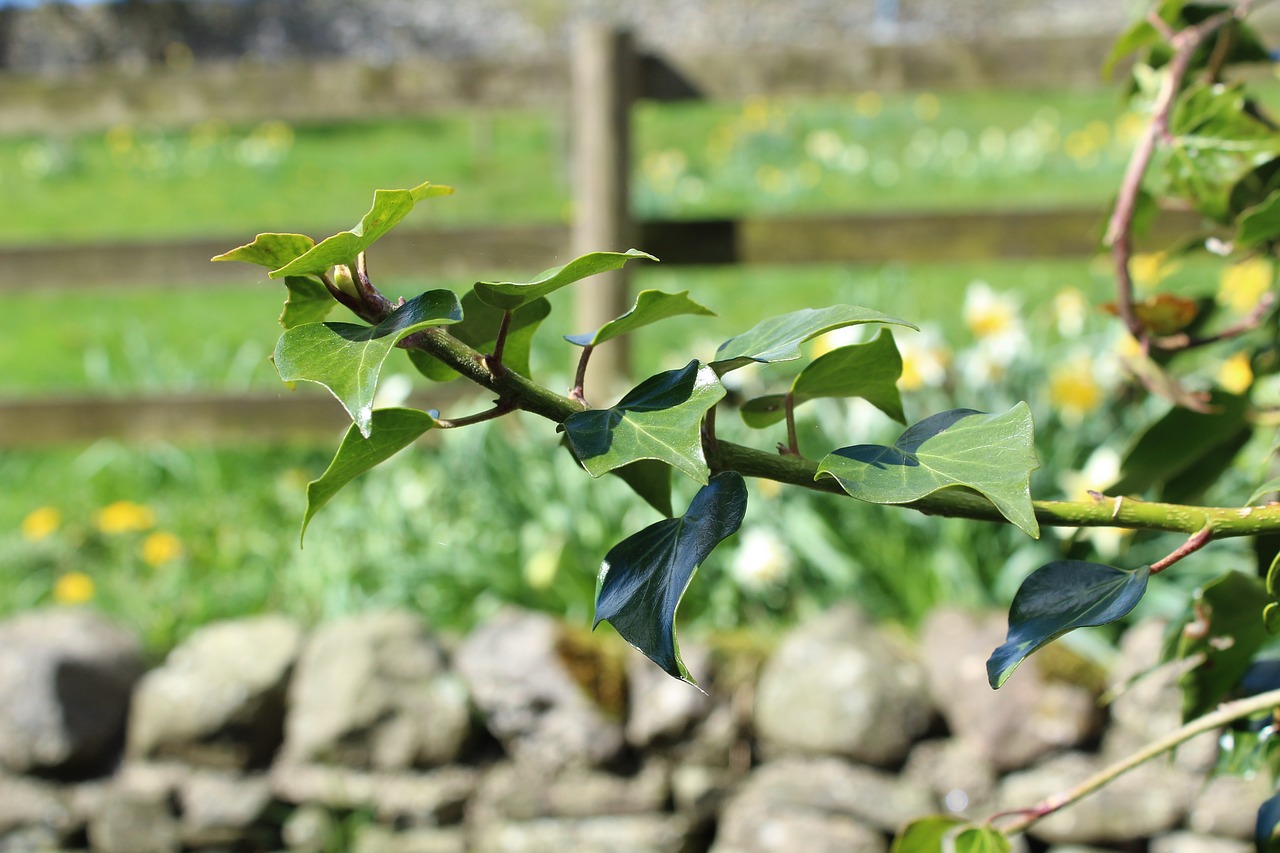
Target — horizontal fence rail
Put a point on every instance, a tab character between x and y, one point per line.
463	252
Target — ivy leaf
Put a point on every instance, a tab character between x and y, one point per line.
651	306
651	480
1180	439
346	358
309	301
392	431
509	295
869	371
779	338
269	250
1260	223
992	454
643	578
981	839
1059	597
926	834
1229	628
389	207
479	330
1264	833
1272	485
658	419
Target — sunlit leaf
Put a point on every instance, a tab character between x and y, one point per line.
1225	630
651	306
779	338
659	419
992	454
269	250
392	431
869	371
389	207
309	301
479	330
346	358
1161	314
1060	597
643	578
510	295
981	839
926	834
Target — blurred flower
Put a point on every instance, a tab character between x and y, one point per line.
1147	269
125	517
824	145
73	588
992	143
755	113
1074	390
836	338
1129	127
1099	472
161	547
1080	147
1070	309
41	523
926	106
924	359
119	140
1243	284
868	104
1236	374
989	314
540	570
1099	133
762	559
773	180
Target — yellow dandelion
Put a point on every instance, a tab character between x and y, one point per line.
160	547
125	517
41	523
1236	374
1243	284
1147	269
926	106
1073	390
73	588
868	104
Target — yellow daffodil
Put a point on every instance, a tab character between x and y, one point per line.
1074	390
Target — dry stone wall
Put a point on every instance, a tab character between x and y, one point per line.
375	733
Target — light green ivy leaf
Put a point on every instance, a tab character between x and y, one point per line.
346	358
651	306
658	419
309	301
269	250
392	430
779	338
509	295
992	454
389	207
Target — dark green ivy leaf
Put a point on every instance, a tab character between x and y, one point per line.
346	358
658	419
510	295
643	578
992	454
1264	833
309	301
1177	441
1060	597
651	306
1260	223
392	431
779	338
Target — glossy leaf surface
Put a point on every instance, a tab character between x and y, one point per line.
659	419
479	330
1265	825
651	306
1225	631
389	207
643	578
347	358
309	301
779	338
651	480
392	431
992	454
510	295
869	371
269	250
1174	443
1060	597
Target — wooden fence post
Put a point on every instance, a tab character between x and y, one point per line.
604	81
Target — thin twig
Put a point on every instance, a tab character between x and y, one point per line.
378	304
793	441
580	377
1197	541
500	408
500	344
710	444
1245	325
1226	713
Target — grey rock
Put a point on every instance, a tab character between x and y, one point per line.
218	700
219	806
1028	717
1148	800
65	681
744	829
511	791
699	792
833	786
625	834
838	685
957	771
1190	842
528	698
372	838
662	708
31	839
128	823
429	798
27	802
373	692
310	829
1227	806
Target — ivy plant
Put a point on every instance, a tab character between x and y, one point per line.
1207	145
